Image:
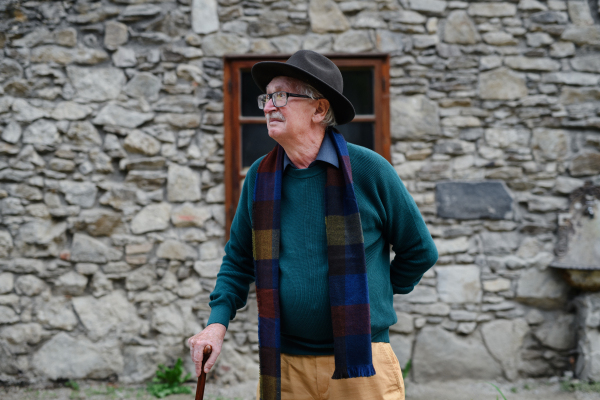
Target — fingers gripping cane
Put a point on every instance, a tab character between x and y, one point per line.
202	377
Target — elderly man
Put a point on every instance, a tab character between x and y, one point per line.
313	228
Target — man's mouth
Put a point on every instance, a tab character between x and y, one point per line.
275	117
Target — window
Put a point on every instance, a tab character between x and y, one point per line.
366	85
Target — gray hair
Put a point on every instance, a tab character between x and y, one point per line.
307	90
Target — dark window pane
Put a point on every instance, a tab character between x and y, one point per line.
255	143
360	133
358	88
249	94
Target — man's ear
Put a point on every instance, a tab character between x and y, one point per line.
321	110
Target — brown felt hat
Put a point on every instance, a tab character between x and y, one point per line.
316	70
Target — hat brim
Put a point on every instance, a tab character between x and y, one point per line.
264	72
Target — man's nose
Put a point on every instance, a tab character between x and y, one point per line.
269	107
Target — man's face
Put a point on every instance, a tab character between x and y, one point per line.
290	121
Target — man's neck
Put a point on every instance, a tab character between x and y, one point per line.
302	153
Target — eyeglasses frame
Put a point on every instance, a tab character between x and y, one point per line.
288	95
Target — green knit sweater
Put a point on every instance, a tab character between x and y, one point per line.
388	215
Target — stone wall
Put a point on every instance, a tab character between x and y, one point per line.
111	175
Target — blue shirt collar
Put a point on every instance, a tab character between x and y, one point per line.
326	154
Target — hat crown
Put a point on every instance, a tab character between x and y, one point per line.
319	66
314	69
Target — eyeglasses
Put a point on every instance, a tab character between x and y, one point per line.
280	99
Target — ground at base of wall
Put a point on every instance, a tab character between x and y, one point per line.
455	390
104	391
482	390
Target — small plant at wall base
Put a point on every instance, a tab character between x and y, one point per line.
499	391
72	384
406	369
169	381
576	386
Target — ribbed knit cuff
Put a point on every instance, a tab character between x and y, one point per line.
399	289
219	314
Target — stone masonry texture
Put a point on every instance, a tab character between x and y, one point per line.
112	189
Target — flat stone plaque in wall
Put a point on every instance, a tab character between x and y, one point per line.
473	200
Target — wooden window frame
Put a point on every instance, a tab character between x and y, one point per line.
233	119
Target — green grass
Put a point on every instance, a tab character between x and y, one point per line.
499	391
406	369
168	381
72	384
587	387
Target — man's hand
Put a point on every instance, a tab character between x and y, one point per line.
214	334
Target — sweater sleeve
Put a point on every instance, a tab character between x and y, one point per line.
237	268
406	231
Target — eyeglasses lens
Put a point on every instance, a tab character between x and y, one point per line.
262	101
279	99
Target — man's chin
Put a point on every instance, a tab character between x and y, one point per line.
274	133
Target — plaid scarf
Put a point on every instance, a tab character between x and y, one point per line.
348	290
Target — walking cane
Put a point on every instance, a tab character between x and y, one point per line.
202	377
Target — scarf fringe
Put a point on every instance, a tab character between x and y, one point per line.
356	371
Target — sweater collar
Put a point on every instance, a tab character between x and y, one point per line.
326	154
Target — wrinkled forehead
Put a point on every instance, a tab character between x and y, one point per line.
282	83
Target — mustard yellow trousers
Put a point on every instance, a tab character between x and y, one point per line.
309	378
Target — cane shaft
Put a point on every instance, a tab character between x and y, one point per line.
202	377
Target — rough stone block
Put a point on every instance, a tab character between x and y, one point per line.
183	184
544	289
415	117
459	284
440	355
421	294
29	285
96	84
71	283
219	44
113	114
402	346
582	35
140	142
325	16
585	164
580	13
496	285
168	320
144	85
353	42
502	84
140	363
500	39
115	34
492	9
466	200
7	281
460	29
404	324
7	315
429	6
94	360
452	246
500	242
586	64
175	250
550	144
558	333
532	64
56	313
572	78
154	217
504	340
88	249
